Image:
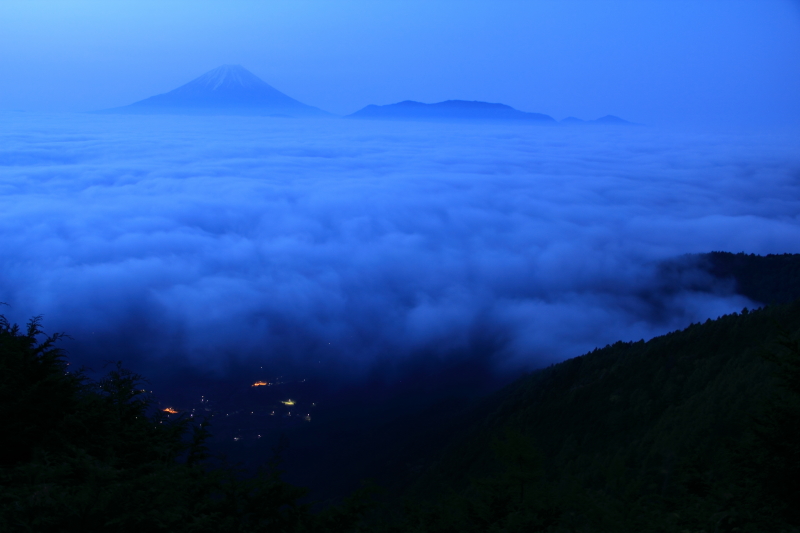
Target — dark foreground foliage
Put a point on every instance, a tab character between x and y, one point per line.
84	455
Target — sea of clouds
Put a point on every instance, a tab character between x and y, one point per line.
346	246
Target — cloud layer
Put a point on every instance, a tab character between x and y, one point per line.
344	245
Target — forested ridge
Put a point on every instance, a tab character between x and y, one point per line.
696	430
767	279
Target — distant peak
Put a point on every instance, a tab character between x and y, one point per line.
229	75
611	119
226	90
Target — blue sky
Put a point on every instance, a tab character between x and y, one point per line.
657	62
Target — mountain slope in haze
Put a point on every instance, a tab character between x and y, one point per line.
769	279
608	120
450	110
765	280
226	90
611	119
638	436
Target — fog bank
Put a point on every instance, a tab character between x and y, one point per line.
346	246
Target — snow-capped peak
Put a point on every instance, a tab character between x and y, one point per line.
227	76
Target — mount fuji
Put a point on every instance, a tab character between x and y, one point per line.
226	90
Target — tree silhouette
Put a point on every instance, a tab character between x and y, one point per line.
85	455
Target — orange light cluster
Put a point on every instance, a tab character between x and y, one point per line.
170	410
260	384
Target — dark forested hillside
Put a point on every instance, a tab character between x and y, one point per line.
766	279
647	436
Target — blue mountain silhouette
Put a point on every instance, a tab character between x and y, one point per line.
226	90
608	120
449	110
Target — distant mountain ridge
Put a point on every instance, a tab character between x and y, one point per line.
234	90
449	110
225	90
608	120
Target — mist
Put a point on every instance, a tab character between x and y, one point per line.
344	248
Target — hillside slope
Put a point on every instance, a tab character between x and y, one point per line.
634	435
